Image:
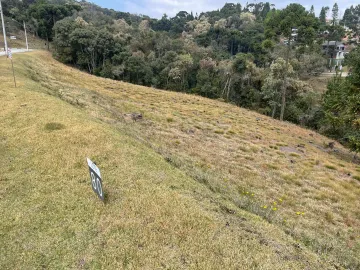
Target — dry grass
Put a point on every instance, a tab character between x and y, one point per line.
185	193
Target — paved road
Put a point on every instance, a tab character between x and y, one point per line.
333	74
2	53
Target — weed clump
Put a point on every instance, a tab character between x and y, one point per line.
54	126
281	144
329	217
272	166
331	167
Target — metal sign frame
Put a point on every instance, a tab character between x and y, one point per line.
95	178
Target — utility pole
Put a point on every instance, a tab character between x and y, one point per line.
27	44
4	31
24	25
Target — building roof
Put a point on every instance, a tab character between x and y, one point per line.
332	43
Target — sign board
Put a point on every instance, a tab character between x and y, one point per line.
12	37
95	177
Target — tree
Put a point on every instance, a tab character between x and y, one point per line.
163	24
207	79
266	9
83	42
47	15
342	105
353	61
138	70
282	23
274	82
352	18
62	42
311	64
179	21
232	72
322	16
184	63
230	9
312	10
348	17
104	46
335	14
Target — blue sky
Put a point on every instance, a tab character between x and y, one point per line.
156	8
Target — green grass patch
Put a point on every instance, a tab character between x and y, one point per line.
272	166
254	148
54	126
330	167
281	144
329	217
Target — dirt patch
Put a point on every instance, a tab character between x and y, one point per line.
288	149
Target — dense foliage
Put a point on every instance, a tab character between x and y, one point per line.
352	18
342	105
254	56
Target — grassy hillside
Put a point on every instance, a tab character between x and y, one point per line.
195	184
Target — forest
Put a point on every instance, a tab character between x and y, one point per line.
255	56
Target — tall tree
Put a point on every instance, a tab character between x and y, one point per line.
230	9
265	10
312	10
323	14
348	16
282	23
273	82
352	18
335	14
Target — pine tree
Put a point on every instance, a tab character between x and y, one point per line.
322	16
312	10
335	14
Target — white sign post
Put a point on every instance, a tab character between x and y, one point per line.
95	177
